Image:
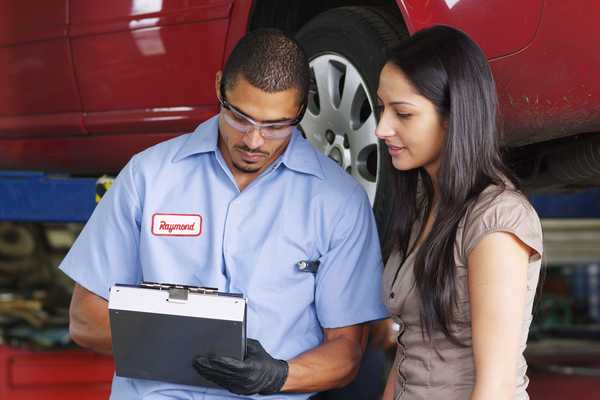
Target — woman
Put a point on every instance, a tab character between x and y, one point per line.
466	245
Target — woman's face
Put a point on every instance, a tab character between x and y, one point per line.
409	123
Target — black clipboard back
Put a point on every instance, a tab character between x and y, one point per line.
158	329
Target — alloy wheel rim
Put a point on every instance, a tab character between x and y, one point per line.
340	120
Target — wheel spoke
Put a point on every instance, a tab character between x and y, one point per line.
323	77
352	86
363	137
314	129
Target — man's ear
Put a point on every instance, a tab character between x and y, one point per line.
218	78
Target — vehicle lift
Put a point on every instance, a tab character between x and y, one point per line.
39	197
35	197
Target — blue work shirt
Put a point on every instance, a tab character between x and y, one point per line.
302	207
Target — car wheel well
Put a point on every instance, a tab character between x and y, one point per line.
290	16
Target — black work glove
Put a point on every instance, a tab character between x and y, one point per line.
258	373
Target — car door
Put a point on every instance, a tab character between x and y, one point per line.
38	92
148	66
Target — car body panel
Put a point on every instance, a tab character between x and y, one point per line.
145	70
542	56
107	153
500	27
39	95
552	88
132	62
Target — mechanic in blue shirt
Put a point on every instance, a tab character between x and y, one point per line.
236	205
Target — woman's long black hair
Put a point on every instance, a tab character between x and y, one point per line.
450	70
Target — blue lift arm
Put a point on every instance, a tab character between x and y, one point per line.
37	197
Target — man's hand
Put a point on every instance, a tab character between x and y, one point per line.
258	373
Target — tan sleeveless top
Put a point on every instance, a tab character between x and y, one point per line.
449	373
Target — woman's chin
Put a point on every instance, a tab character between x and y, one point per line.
402	165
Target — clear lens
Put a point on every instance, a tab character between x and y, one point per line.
276	132
238	122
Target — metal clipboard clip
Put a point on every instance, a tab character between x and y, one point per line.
179	293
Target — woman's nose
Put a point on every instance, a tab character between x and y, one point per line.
383	129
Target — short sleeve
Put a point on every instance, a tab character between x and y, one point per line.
348	287
507	211
106	251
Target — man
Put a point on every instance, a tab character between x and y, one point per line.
258	199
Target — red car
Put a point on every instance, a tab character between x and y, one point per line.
85	84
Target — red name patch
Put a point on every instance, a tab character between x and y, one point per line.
176	224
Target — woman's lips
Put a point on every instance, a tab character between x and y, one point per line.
395	150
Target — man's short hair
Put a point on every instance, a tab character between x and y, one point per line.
269	60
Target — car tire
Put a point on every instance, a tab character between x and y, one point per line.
346	48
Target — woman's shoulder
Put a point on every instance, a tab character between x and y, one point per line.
505	198
501	208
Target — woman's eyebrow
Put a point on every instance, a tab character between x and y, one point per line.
393	103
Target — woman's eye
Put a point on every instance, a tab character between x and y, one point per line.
403	115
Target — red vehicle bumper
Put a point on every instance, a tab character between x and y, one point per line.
56	375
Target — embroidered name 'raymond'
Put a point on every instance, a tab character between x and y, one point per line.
176	224
176	227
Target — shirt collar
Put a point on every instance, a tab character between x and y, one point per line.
299	155
204	139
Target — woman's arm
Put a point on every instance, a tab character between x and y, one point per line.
497	290
390	386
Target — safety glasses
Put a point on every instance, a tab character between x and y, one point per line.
245	124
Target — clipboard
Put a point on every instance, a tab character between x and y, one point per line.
158	329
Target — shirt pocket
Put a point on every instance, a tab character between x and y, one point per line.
189	260
277	271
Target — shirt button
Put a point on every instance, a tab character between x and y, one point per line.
392	295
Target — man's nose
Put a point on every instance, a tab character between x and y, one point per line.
254	139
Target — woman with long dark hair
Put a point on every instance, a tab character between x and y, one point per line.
465	243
